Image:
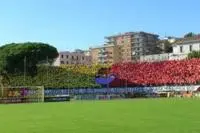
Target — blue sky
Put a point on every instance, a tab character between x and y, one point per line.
71	24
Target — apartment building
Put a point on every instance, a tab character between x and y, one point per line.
105	54
126	47
144	44
123	44
76	57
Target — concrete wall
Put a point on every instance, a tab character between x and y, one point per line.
156	57
173	56
162	57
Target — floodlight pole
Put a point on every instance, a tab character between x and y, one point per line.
68	81
126	82
107	81
24	68
47	61
2	90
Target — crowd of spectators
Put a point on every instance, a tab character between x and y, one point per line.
158	73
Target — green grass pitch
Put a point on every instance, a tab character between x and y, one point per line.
125	116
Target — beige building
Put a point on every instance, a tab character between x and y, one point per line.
126	47
123	44
105	54
77	57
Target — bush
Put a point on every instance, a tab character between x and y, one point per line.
194	54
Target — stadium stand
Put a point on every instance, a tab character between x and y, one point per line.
158	73
184	72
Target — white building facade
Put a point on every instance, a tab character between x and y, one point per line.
186	48
181	49
76	57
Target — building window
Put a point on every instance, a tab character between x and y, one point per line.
61	62
181	49
77	57
82	58
67	56
67	62
190	48
62	56
72	57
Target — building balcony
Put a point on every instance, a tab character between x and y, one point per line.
140	41
138	46
101	60
110	42
108	62
105	57
102	55
105	52
109	57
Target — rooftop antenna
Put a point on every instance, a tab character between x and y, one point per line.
165	36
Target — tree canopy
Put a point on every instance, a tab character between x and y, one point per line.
194	54
190	34
167	46
20	56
